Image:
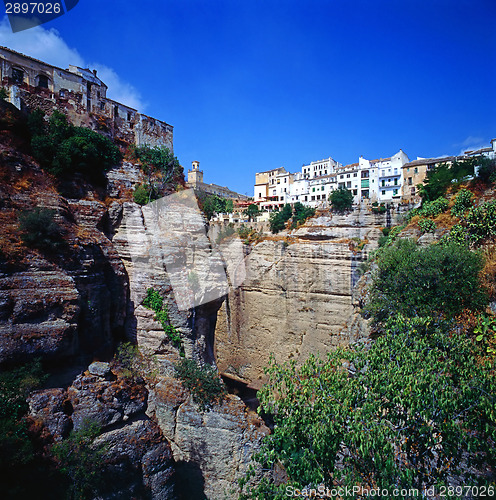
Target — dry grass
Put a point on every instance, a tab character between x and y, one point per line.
489	270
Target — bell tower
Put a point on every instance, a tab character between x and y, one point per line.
195	175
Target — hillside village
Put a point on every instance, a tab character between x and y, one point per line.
79	93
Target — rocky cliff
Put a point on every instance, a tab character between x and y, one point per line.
297	297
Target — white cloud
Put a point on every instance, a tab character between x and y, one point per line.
118	89
471	143
47	45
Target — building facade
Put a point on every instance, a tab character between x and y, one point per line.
368	180
81	96
195	181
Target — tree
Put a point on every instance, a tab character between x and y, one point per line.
252	211
341	199
431	281
62	148
277	221
415	403
439	178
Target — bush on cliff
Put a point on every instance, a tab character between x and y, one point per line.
341	200
203	381
39	229
404	416
435	280
62	148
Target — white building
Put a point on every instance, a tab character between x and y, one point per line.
319	168
375	180
272	187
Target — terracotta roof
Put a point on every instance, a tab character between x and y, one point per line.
429	161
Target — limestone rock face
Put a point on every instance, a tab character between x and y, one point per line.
39	311
212	449
150	254
297	296
57	305
138	459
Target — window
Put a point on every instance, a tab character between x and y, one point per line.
306	198
341	176
17	75
88	88
347	176
355	174
395	181
313	198
325	172
395	192
412	191
355	192
383	182
410	181
285	179
62	92
322	188
42	81
98	95
348	184
415	170
102	106
129	116
383	193
278	181
116	111
313	190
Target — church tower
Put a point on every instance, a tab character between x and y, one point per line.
195	175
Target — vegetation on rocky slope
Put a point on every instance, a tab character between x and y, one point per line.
413	408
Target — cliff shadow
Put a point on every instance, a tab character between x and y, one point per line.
189	481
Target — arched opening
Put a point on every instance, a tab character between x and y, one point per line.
17	76
42	81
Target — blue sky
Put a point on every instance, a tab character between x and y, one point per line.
255	85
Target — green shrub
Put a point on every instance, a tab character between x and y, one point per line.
61	148
203	382
481	222
440	178
277	221
436	280
458	235
81	461
463	201
301	213
211	203
157	160
429	209
39	229
140	195
487	169
17	450
341	200
417	402
427	225
379	209
155	302
3	94
252	211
